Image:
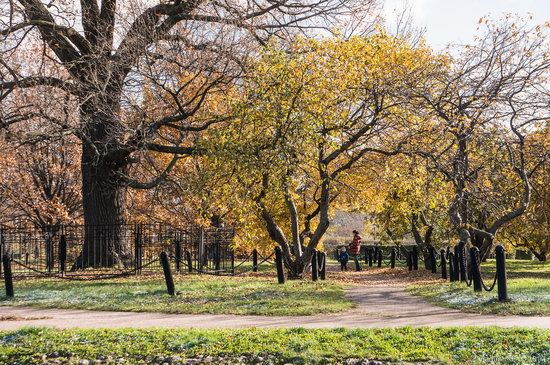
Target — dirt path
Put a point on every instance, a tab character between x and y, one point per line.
378	306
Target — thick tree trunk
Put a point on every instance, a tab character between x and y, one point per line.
541	256
103	194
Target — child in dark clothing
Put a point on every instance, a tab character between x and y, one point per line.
343	257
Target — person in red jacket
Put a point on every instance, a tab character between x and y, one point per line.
355	249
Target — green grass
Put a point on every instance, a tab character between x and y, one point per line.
278	346
528	290
196	294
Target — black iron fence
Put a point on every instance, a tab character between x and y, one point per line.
131	248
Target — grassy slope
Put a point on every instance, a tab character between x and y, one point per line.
299	346
528	289
197	294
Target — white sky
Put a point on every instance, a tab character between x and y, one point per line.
456	21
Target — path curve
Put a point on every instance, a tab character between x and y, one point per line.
378	306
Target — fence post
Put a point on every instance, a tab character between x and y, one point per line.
370	256
279	264
178	254
322	265
167	273
189	261
501	274
366	250
232	261
8	277
379	258
452	266
62	253
255	260
462	261
456	258
474	264
415	257
443	265
314	266
433	262
410	260
392	258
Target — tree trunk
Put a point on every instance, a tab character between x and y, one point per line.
541	256
103	194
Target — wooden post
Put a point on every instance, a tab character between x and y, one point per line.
415	257
314	266
279	264
476	274
8	277
255	260
443	265
370	256
392	258
322	265
433	262
462	261
456	263
379	258
167	273
452	267
410	260
501	274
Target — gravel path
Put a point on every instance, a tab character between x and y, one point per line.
377	306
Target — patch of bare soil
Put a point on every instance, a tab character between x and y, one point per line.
13	317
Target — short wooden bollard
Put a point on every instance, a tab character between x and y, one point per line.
501	274
433	262
279	265
462	261
314	266
379	258
410	260
392	258
255	260
415	257
62	254
189	261
322	265
476	274
8	276
452	267
167	273
443	265
456	258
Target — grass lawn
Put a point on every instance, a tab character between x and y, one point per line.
197	294
528	289
277	346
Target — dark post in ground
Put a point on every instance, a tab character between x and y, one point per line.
476	274
415	257
279	264
370	256
379	258
178	255
456	263
322	265
392	258
443	265
314	266
452	267
410	260
462	261
62	253
255	260
433	262
167	273
501	274
189	261
8	277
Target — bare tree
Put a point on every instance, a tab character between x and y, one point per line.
495	88
97	58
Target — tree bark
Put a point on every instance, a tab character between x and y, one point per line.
103	193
